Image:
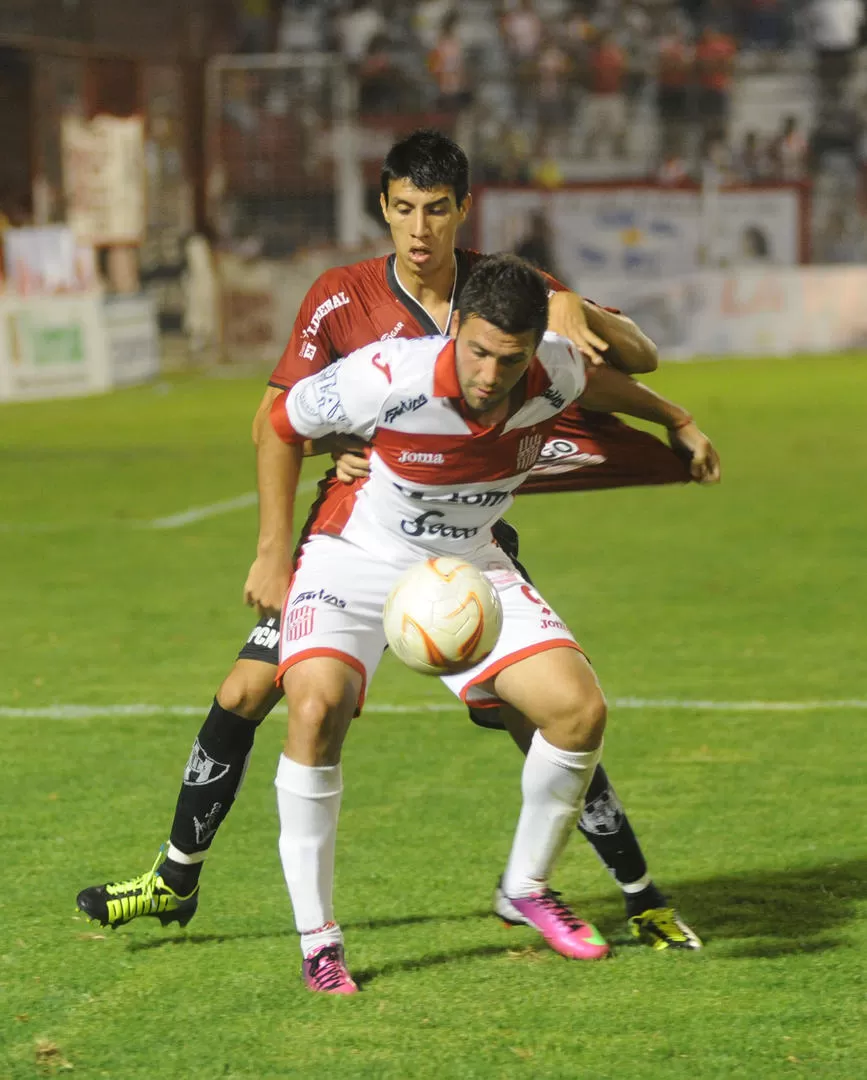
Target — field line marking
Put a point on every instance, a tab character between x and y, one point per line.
94	712
170	521
199	513
224	506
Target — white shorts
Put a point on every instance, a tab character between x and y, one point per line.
334	608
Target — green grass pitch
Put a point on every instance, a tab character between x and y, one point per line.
752	820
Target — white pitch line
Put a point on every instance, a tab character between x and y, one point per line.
199	513
224	506
171	521
94	712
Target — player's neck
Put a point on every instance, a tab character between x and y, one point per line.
435	292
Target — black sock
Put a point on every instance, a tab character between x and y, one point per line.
605	824
212	778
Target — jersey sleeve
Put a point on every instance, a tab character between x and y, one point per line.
311	345
566	366
344	399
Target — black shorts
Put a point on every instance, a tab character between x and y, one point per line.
263	644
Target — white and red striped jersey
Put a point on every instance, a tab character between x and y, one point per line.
438	480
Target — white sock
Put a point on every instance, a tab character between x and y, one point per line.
554	783
308	799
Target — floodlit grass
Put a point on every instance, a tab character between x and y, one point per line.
753	821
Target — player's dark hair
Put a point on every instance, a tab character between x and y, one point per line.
430	160
508	292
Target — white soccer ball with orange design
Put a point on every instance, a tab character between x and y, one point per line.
442	617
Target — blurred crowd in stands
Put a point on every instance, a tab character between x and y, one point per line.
546	91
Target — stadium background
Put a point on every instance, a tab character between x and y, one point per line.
712	184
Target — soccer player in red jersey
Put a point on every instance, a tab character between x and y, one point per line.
412	293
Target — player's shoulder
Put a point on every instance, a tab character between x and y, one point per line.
555	350
348	280
412	358
406	357
562	361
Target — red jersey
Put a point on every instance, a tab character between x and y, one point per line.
352	306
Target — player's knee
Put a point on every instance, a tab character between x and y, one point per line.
317	722
581	725
249	691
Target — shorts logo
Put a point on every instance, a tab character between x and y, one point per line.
264	636
299	622
325	597
549	620
416	457
202	768
528	451
338	300
405	406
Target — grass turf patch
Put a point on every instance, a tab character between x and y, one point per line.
752	821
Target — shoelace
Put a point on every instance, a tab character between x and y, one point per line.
146	882
664	921
326	967
551	901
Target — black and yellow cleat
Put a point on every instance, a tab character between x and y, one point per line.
120	902
663	928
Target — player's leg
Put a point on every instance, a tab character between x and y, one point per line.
537	667
211	780
603	821
331	642
605	825
558	691
321	695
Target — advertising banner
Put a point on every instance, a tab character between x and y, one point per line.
132	339
642	232
52	347
104	178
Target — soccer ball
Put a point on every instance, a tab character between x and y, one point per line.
442	617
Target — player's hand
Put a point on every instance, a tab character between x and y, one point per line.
350	458
692	443
572	323
267	583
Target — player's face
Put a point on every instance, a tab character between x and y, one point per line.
490	362
423	225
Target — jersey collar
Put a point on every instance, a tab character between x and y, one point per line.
409	302
446	385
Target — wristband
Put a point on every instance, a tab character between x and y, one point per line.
681	423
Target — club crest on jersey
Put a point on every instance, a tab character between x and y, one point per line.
338	300
404	406
202	768
528	450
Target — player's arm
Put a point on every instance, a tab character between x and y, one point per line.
607	390
278	466
603	336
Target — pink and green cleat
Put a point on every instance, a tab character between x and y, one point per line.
324	971
557	923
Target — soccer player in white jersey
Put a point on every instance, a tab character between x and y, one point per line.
447	419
